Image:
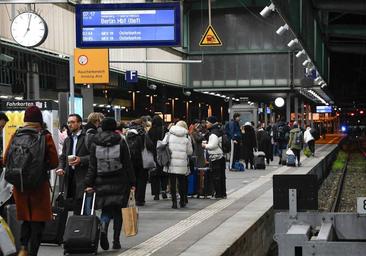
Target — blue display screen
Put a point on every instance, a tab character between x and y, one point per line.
323	109
119	25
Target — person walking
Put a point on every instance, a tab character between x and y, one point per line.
158	179
111	176
281	133
3	120
296	141
216	156
180	146
233	132
33	205
249	144
264	143
74	163
135	139
309	139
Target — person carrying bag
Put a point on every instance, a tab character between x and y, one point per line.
130	216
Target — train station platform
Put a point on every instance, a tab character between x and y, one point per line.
242	224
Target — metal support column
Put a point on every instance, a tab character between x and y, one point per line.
32	81
88	100
296	108
288	107
230	109
265	115
71	83
302	113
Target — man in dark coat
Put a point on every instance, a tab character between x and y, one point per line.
234	134
264	143
112	186
74	162
281	135
249	143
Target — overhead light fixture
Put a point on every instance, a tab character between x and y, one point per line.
306	62
298	55
267	10
279	102
281	30
323	85
292	42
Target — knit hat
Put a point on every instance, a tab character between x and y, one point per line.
109	124
33	114
248	124
212	119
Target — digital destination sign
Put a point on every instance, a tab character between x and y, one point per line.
131	25
323	109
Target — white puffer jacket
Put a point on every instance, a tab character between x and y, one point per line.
180	146
307	135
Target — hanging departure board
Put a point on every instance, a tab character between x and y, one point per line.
128	25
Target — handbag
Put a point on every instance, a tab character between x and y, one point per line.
130	216
7	242
148	160
307	151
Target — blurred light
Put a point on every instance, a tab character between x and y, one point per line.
20	98
282	29
352	114
343	128
4	96
298	55
361	112
279	102
101	105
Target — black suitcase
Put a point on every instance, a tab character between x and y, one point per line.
205	184
14	224
259	160
82	232
54	229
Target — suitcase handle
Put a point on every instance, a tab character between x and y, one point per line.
83	204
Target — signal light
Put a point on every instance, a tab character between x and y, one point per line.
361	112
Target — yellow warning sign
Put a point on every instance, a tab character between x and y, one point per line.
210	38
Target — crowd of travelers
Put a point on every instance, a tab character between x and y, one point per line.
112	159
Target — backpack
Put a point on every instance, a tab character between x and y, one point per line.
298	139
225	144
281	135
108	159
135	145
163	154
25	159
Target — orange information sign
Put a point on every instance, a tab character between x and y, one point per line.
210	38
91	66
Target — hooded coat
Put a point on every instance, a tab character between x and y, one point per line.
264	143
291	142
249	142
111	190
180	146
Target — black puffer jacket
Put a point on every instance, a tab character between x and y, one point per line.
110	190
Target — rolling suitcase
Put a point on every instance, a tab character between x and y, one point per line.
205	186
54	229
259	160
82	232
291	160
14	224
192	183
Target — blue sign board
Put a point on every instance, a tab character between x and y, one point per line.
131	76
128	25
323	109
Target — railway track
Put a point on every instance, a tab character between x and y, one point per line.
342	187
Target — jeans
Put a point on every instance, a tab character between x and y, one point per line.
31	234
112	212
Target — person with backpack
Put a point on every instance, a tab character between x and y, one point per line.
33	151
91	128
74	163
232	129
281	133
136	140
216	156
158	179
296	141
180	147
111	176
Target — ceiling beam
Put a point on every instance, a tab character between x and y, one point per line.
347	31
347	48
351	6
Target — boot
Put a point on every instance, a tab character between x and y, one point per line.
104	236
116	242
156	197
164	195
23	251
